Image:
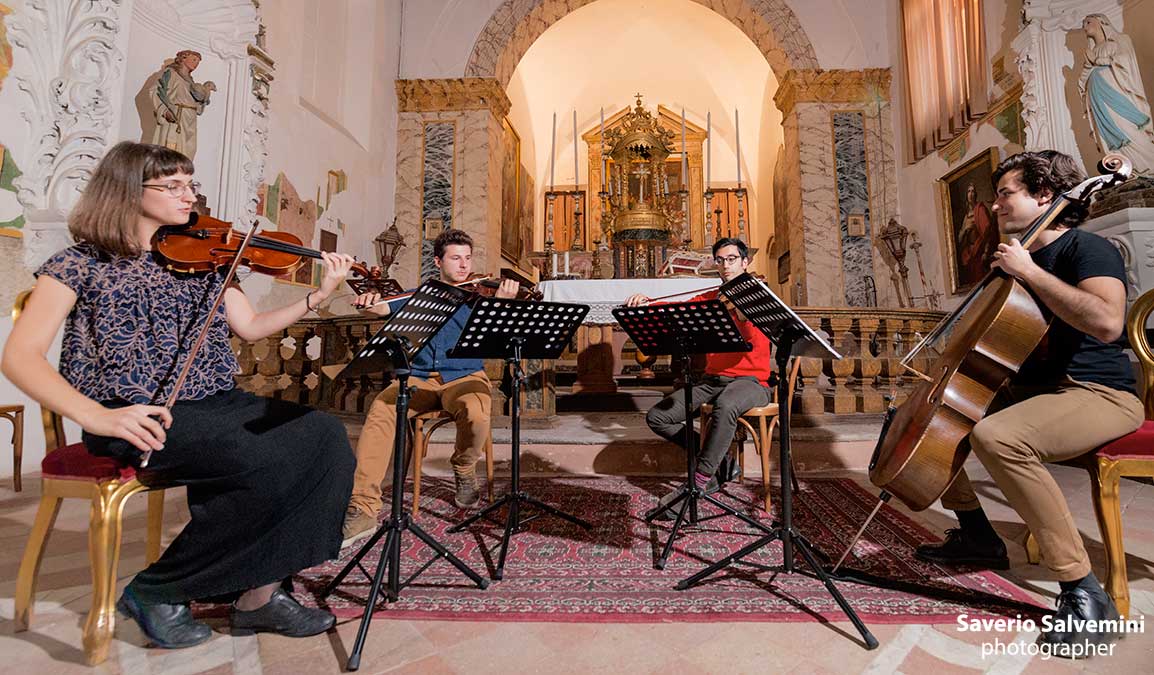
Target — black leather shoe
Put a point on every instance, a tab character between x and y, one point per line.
1075	607
963	548
166	626
283	615
662	510
728	469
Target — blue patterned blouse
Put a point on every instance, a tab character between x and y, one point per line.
133	323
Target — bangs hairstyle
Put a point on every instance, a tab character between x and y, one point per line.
108	212
450	238
1046	171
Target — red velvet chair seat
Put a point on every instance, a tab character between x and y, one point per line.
1136	445
74	462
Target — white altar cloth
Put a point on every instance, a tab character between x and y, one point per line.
602	295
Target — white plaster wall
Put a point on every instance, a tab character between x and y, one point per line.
610	35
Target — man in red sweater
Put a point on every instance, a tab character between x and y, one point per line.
734	382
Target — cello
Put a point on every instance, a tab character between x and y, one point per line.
924	441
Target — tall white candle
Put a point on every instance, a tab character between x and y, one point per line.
566	263
574	151
708	148
553	155
602	142
684	156
737	134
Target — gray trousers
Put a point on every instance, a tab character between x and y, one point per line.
730	397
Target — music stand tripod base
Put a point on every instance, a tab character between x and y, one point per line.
513	330
683	329
792	338
406	332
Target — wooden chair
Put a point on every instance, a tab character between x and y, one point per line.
424	424
765	417
70	471
1131	456
15	415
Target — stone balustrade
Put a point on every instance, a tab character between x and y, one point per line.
297	364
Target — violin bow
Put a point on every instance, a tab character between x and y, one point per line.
200	338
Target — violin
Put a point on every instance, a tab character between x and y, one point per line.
481	285
207	244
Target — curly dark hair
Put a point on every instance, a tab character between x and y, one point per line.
1046	171
450	238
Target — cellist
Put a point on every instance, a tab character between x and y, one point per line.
1075	393
267	481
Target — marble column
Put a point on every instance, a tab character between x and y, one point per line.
449	158
838	182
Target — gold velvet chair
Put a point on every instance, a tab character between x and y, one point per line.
71	472
765	418
1131	456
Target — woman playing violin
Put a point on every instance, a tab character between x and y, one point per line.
267	481
458	386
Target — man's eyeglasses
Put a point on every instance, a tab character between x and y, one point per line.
175	189
726	260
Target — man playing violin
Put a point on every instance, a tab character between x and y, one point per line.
733	383
458	386
1076	392
267	481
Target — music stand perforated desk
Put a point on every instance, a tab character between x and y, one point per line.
391	349
793	338
513	330
683	329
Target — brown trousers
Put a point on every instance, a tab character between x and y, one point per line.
1057	424
467	399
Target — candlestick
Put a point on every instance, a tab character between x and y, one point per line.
737	134
684	157
574	149
566	263
603	161
554	264
553	153
708	147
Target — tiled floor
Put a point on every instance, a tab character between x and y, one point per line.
53	644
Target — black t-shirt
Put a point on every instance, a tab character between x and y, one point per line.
1073	257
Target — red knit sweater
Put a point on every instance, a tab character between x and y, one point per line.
755	362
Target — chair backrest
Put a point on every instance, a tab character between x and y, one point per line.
791	384
1140	342
52	421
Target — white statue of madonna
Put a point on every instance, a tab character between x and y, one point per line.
1113	98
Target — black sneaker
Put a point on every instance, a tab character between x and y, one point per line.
1075	607
963	548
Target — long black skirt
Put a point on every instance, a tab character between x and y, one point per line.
268	483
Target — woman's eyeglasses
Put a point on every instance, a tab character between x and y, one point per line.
175	189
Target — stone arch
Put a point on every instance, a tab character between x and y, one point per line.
516	25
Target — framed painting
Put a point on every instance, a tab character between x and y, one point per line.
510	203
970	228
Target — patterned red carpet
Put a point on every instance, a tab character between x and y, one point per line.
559	572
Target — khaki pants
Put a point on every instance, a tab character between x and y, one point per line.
1057	424
467	399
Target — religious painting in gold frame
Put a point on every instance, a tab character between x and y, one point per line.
511	244
970	230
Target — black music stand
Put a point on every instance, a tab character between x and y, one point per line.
402	336
513	330
683	329
793	338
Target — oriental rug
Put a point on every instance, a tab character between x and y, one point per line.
560	572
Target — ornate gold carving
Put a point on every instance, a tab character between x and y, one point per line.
832	86
469	93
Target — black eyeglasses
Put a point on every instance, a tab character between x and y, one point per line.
726	260
175	189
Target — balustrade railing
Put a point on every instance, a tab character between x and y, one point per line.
298	364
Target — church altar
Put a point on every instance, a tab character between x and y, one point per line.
602	295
